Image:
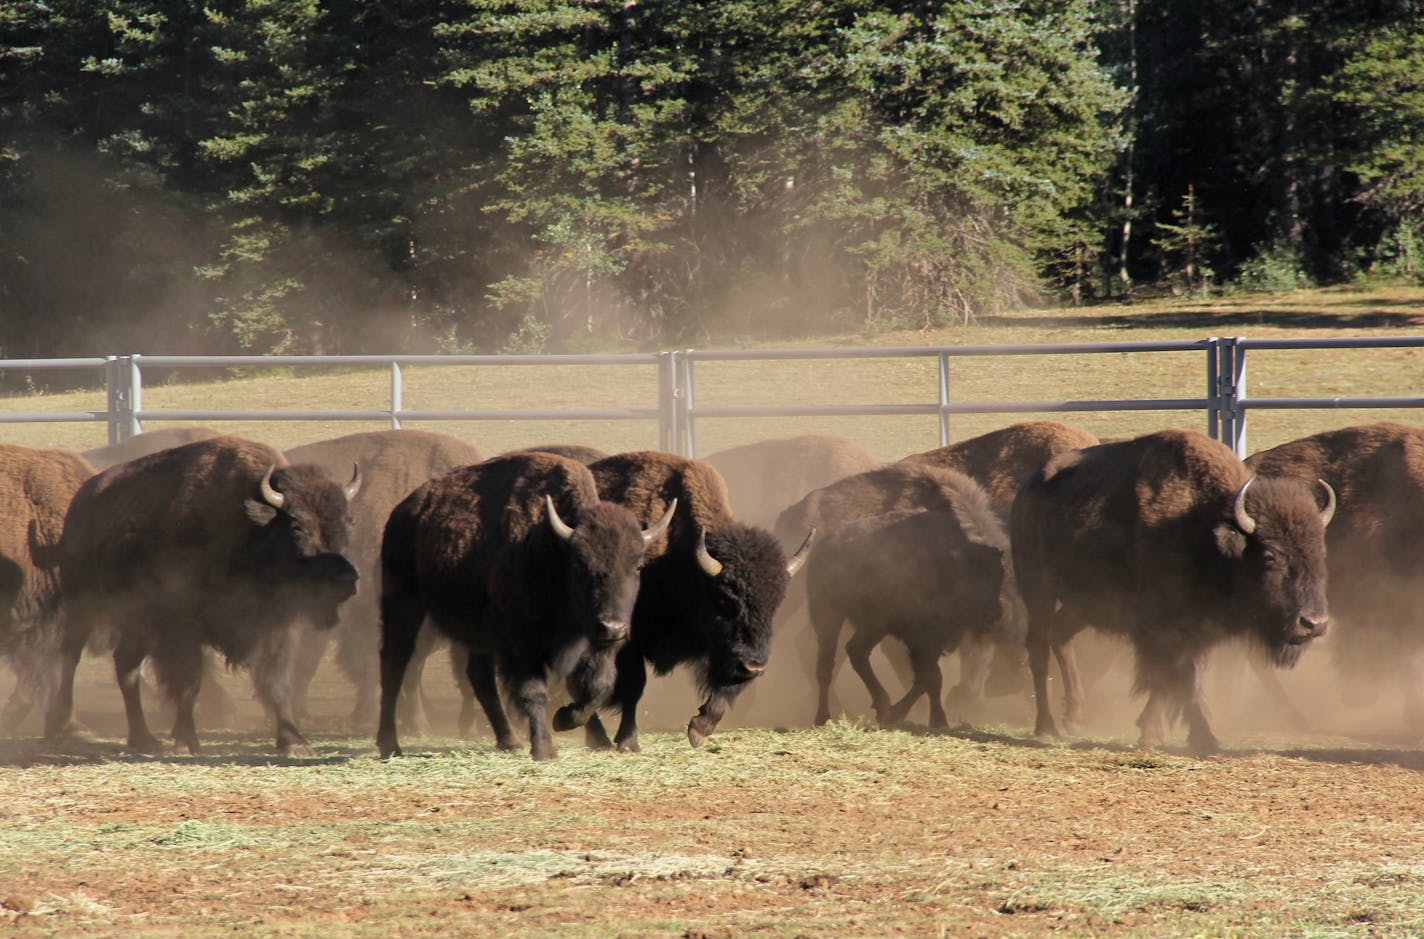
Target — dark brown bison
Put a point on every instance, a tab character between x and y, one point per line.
903	486
574	451
219	543
1002	459
1169	541
1376	549
393	463
36	487
927	578
150	441
519	560
766	476
709	592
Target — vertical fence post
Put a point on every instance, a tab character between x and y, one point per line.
125	396
944	399
397	401
686	400
1231	382
1213	389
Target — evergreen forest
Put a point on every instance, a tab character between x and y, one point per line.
334	176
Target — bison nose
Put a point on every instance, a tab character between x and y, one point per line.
613	630
1313	626
752	668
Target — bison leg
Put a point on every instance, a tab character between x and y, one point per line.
826	623
482	678
628	687
59	714
1067	659
531	696
1038	650
306	659
129	654
705	721
976	658
858	651
180	673
595	737
401	616
928	681
272	679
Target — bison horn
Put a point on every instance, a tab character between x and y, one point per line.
705	560
793	563
1243	520
561	527
1327	513
354	486
272	496
650	535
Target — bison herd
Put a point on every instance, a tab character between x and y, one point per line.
558	575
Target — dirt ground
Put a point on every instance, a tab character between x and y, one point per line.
845	830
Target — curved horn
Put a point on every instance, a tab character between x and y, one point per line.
705	560
1243	520
561	527
1327	513
794	563
651	534
272	496
354	486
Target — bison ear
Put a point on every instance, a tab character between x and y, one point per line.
1230	541
259	513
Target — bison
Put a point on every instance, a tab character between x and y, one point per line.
519	560
766	476
1375	545
1169	541
708	596
927	578
902	486
36	487
220	543
394	463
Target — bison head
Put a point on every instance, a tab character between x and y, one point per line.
1275	543
302	524
743	576
606	548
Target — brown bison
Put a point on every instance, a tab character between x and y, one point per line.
1376	548
36	487
219	543
394	463
708	596
904	486
1169	541
151	441
519	560
1002	459
927	578
766	476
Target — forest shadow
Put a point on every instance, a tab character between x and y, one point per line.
218	750
1216	321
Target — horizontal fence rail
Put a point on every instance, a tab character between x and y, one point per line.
1225	403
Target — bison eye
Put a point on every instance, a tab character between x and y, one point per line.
1270	559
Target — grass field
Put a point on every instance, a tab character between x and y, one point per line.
847	830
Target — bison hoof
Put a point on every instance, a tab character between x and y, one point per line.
296	748
566	718
543	754
632	746
1203	744
148	744
698	731
508	744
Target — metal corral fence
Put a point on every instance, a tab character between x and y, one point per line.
1224	402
